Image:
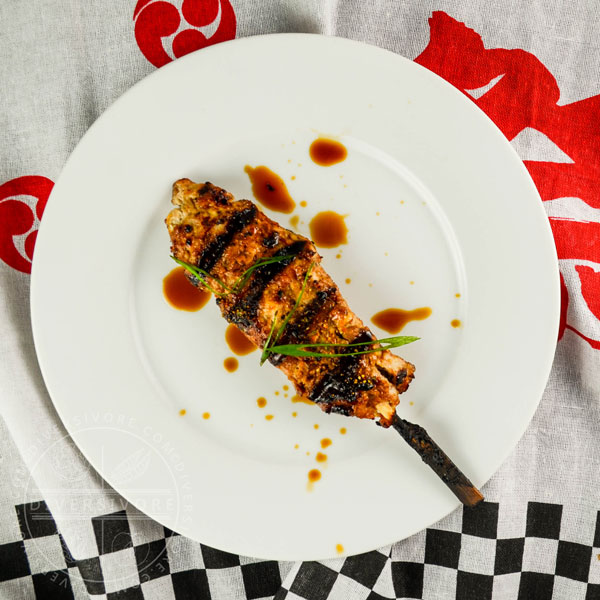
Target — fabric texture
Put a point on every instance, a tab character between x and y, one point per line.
533	68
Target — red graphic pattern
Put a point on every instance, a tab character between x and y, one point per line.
18	219
527	96
157	19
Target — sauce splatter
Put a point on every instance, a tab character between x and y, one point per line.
286	388
343	430
294	414
325	442
295	398
261	402
411	403
326	152
206	415
294	221
316	426
269	189
181	294
339	549
231	364
314	475
296	446
238	343
268	417
457	295
455	323
393	320
321	457
182	412
328	230
348	280
303	203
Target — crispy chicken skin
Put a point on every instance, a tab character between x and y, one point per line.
211	230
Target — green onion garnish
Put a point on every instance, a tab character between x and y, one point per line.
265	352
200	275
243	278
296	304
299	349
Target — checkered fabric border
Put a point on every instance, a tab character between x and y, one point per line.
465	556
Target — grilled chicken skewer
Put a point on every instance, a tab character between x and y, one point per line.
225	238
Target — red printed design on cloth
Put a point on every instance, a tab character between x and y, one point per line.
22	203
524	94
161	35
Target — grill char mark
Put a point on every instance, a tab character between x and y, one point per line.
213	251
297	329
343	382
244	311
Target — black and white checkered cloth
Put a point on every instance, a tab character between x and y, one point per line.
474	554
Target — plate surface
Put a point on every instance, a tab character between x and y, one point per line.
440	213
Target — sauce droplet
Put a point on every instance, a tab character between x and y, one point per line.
455	323
326	152
316	426
343	430
339	549
325	442
321	457
457	295
181	294
294	221
328	230
296	446
314	475
294	414
268	417
286	388
261	402
231	364
238	343
269	189
411	403
182	412
348	280
206	415
393	320
303	203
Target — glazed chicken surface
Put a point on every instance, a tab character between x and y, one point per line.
224	237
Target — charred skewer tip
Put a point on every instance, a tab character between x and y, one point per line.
432	455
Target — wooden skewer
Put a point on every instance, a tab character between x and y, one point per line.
432	455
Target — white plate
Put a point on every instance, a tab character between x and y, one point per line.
438	204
